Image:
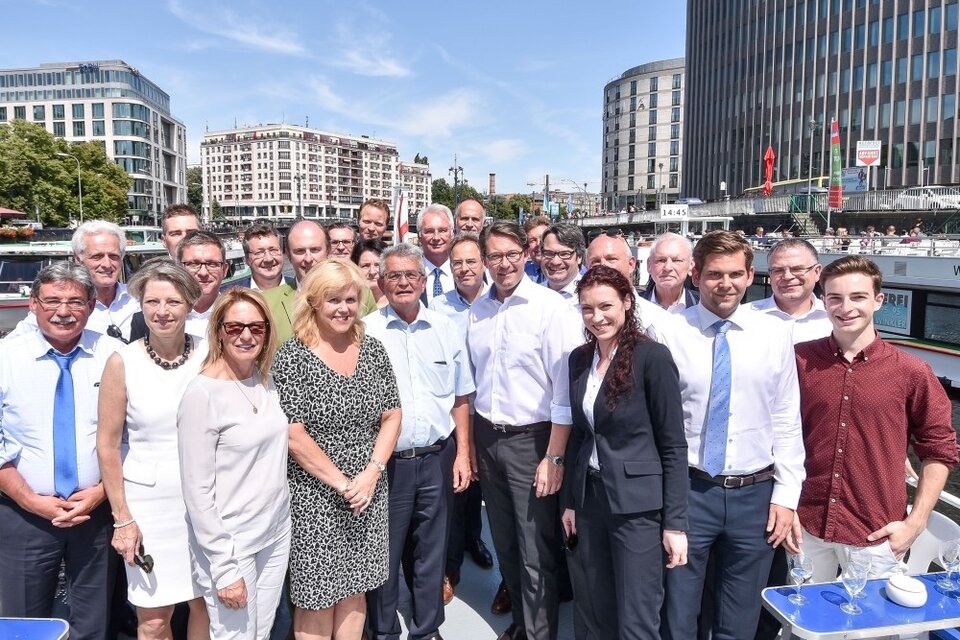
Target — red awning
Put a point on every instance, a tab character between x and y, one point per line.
11	213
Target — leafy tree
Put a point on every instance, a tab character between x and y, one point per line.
443	193
419	159
195	187
33	175
216	211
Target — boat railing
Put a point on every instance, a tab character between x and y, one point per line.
945	496
930	246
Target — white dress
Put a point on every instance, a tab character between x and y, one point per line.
151	474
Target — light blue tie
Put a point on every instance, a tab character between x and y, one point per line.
718	410
64	427
437	287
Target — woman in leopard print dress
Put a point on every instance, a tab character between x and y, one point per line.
340	395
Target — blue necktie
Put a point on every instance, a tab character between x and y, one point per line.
718	410
437	287
64	428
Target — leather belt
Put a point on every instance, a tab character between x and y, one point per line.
522	428
734	482
593	473
416	452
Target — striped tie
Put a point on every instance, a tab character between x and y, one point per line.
718	410
437	287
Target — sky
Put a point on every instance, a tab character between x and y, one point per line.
512	88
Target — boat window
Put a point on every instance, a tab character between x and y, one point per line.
16	272
940	323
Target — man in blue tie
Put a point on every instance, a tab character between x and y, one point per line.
738	381
52	506
435	229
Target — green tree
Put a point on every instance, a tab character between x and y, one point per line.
195	188
442	193
216	211
419	159
32	175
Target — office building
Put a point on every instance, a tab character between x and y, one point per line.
111	102
416	181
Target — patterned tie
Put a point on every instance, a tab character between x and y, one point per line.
64	427
437	287
718	411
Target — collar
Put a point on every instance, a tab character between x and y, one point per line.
769	305
876	348
391	316
429	266
680	302
570	287
521	292
706	318
456	292
38	347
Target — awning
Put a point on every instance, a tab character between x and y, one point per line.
11	213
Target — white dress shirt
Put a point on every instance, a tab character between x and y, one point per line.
120	313
196	324
812	325
594	382
446	278
28	382
568	292
676	307
764	426
455	306
520	349
432	367
652	317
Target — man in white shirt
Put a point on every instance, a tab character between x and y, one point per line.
469	216
262	253
52	503
794	269
435	230
520	337
562	248
742	420
373	219
342	240
669	264
432	456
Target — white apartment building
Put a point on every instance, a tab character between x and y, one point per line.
284	171
417	183
111	102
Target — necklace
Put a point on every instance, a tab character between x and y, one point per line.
160	362
244	394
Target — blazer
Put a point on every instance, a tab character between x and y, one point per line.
282	299
690	296
640	444
245	282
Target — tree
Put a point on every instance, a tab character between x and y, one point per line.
216	211
195	188
442	193
419	159
33	176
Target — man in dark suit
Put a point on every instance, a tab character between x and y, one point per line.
669	264
262	253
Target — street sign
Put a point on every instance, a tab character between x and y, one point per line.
868	153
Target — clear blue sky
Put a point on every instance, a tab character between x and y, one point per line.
513	87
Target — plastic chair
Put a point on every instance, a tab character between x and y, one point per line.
926	547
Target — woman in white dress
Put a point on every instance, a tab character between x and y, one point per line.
233	461
141	389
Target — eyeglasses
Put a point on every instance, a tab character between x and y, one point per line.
114	332
779	272
409	276
470	263
143	560
235	329
338	243
512	257
566	254
194	266
263	253
54	304
615	232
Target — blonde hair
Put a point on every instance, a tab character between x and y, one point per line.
224	303
323	280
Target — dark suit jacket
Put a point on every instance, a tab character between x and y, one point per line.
640	444
690	296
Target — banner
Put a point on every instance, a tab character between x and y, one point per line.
856	180
401	215
835	198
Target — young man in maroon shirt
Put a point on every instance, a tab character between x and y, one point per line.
862	403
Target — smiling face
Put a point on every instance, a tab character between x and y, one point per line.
337	313
307	245
499	259
342	240
242	349
402	282
612	252
604	312
164	308
466	263
559	262
435	233
265	258
669	264
200	261
62	309
850	301
791	274
723	281
372	222
175	228
533	242
101	256
470	217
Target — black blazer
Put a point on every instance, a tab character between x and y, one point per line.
690	296
640	444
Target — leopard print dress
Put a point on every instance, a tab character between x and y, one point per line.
334	554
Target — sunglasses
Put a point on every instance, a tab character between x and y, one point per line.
570	542
615	232
234	329
143	560
114	332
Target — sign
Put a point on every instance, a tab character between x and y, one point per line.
894	315
554	210
856	180
868	153
673	211
835	197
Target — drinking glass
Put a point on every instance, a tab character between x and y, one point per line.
801	572
854	579
862	557
949	555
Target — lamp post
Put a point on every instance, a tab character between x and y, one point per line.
298	178
812	127
79	182
660	190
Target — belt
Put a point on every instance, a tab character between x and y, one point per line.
593	473
734	482
522	428
416	452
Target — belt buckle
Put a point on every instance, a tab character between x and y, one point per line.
408	454
502	428
733	482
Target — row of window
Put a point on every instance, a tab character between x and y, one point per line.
673	182
653	85
86	76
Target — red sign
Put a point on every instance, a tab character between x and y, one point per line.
868	153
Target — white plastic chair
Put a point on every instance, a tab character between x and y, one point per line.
926	547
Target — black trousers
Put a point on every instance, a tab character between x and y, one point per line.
31	550
421	493
523	526
466	525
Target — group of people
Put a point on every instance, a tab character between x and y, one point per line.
308	443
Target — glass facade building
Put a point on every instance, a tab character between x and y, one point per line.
774	73
112	103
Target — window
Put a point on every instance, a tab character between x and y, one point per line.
915	114
872	75
651	149
676	80
946	151
651	165
886	73
874	33
845	42
650	181
903	26
653	84
901	70
896	155
949	62
675	114
949	106
97	110
932	108
899	113
674	164
918	23
39	113
859	36
58	112
77	111
884	120
675	99
674	132
653	101
858	77
651	133
888	30
674	180
98	128
934	22
933	65
79	130
674	147
3	114
633	87
652	116
60	129
940	318
870	122
916	67
845	81
951	15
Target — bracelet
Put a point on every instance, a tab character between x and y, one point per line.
379	465
121	525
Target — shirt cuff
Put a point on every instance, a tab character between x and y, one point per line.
785	496
561	415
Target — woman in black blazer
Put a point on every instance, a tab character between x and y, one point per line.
626	489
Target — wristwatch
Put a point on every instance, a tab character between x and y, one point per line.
379	465
557	460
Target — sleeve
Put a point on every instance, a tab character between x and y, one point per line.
9	450
788	451
562	333
575	442
464	382
199	434
929	418
661	382
289	388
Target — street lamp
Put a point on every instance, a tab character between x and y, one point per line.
812	127
660	190
79	182
298	178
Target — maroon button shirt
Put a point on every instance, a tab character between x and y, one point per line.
858	420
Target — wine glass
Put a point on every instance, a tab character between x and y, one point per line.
862	557
801	572
949	555
854	579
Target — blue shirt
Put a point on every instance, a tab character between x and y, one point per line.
430	361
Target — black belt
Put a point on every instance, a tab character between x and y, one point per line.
522	428
593	473
734	482
416	452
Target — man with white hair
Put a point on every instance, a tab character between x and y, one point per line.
470	216
669	264
435	230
